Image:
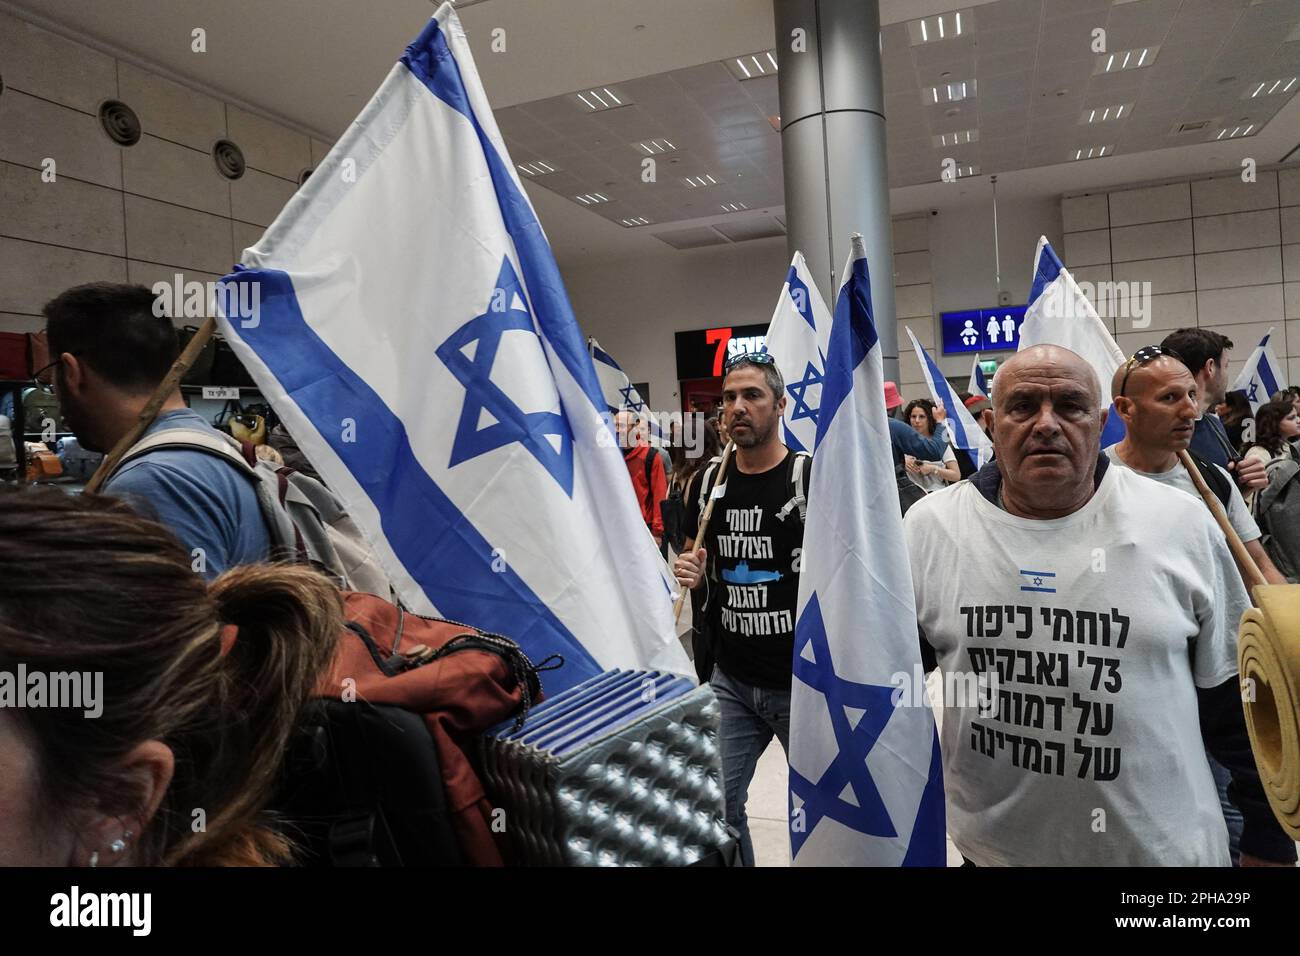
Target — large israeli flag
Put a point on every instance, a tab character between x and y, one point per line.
866	783
415	337
1262	376
620	394
797	337
965	434
1060	314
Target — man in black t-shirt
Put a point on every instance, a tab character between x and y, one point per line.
749	564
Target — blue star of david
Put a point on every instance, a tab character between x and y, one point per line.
798	390
507	311
849	768
631	399
1250	395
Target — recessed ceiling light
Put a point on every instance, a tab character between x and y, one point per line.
946	26
601	98
635	221
1269	87
652	147
956	137
696	181
592	199
1093	152
535	168
1106	114
1125	60
733	206
950	92
751	66
1238	130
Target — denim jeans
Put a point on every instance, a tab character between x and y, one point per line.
1231	815
750	716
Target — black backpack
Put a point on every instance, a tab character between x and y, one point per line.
1277	512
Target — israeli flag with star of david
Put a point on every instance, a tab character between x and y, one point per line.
979	384
415	337
866	779
1262	375
797	337
620	394
1060	314
963	431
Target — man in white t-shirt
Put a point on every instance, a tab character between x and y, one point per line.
1102	607
1156	396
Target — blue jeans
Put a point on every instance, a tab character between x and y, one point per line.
1231	815
750	716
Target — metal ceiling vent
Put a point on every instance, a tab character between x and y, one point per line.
229	159
120	123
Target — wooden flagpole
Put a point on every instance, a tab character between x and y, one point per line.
705	518
150	411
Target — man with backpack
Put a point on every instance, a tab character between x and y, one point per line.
1157	397
111	351
646	469
748	564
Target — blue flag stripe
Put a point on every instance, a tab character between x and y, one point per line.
440	549
853	320
431	62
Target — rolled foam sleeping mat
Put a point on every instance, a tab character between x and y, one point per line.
1268	658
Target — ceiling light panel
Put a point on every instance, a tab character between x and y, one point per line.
752	66
536	168
1092	152
1238	130
600	99
653	147
956	138
1271	87
592	199
695	182
950	92
1135	59
635	221
946	26
1106	114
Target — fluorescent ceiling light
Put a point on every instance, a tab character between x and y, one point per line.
601	98
752	66
1125	60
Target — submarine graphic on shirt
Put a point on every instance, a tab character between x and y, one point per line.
741	574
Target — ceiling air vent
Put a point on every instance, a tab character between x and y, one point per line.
229	159
1195	127
120	123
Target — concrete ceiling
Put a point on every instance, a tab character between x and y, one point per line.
313	63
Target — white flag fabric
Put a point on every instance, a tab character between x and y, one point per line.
620	394
1060	314
797	337
964	432
978	384
1262	376
866	779
416	339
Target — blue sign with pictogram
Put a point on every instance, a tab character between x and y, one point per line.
982	330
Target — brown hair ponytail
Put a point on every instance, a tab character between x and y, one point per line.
88	585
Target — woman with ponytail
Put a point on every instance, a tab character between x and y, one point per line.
200	690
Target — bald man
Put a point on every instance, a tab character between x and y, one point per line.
1080	591
1158	399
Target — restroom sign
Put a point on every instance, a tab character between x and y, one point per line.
982	330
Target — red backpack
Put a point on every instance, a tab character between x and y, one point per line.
381	773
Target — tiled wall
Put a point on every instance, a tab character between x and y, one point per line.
913	301
1219	253
139	213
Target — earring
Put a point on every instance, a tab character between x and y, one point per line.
94	859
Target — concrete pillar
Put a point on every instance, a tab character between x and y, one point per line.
833	146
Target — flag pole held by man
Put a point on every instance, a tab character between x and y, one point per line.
415	337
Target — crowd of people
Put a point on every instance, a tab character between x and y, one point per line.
1115	650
